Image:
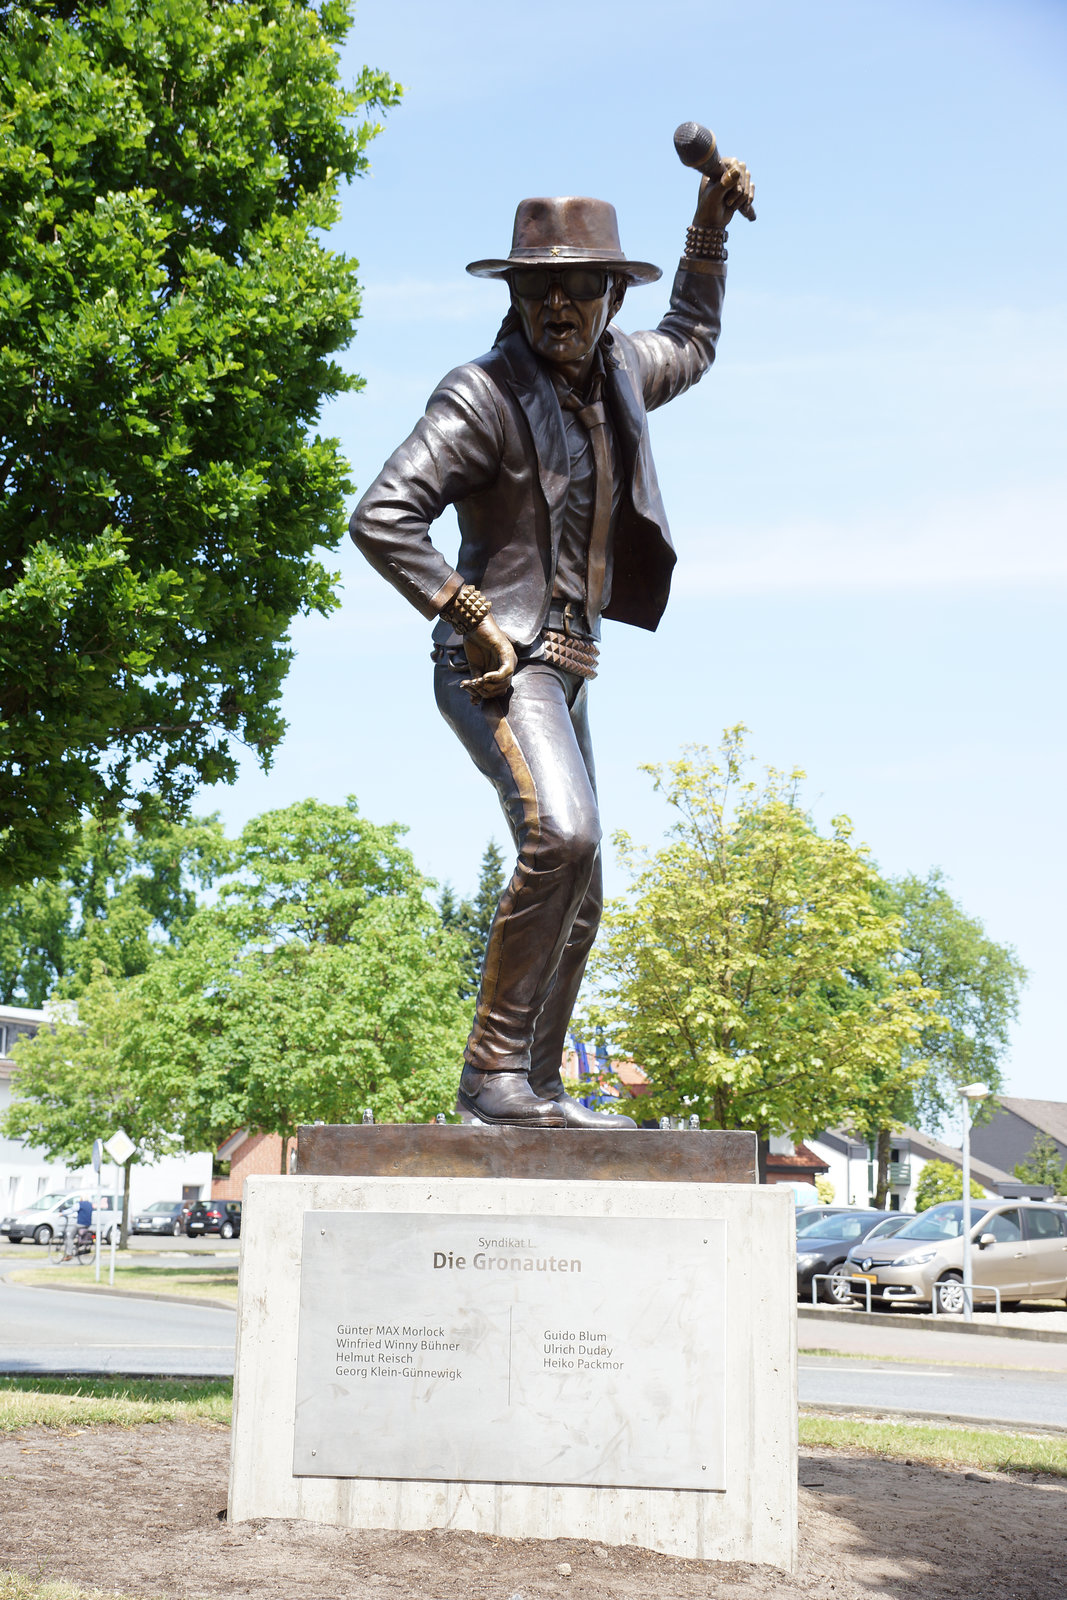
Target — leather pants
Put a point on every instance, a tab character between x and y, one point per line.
533	745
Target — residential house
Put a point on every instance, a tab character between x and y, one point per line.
794	1163
852	1171
1008	1137
243	1154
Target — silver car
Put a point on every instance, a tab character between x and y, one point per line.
1020	1249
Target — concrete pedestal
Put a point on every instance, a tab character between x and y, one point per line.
719	1370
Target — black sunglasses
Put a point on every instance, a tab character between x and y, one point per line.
577	283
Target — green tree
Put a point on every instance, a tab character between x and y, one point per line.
940	1180
1044	1164
978	983
80	1080
474	918
169	319
738	970
320	983
119	894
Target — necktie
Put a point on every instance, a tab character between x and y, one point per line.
594	419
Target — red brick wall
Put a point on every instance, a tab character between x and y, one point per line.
260	1152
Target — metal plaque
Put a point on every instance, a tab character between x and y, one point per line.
579	1350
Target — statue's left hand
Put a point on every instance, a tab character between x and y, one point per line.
719	201
492	658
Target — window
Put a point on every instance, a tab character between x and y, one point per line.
838	1227
941	1222
1045	1224
1005	1226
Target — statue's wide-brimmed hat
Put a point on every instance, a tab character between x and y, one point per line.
565	232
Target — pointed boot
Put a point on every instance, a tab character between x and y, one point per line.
506	1100
549	1086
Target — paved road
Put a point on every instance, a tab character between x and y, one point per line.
934	1347
991	1394
46	1330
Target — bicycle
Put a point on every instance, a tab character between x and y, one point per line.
65	1250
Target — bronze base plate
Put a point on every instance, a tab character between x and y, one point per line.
417	1150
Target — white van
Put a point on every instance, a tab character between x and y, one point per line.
47	1216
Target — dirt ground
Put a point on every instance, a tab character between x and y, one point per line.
141	1511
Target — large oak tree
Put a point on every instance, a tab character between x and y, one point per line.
169	323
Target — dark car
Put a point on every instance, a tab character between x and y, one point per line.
808	1216
215	1216
162	1216
824	1248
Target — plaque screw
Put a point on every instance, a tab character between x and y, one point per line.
315	1453
323	1232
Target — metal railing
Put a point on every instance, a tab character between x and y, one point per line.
858	1277
839	1277
990	1288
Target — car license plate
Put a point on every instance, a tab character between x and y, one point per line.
868	1277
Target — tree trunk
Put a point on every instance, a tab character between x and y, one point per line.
883	1147
763	1150
124	1231
285	1154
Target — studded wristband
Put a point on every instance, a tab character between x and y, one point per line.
705	244
467	608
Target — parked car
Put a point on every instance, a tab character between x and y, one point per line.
215	1216
162	1216
824	1248
808	1216
47	1216
1020	1248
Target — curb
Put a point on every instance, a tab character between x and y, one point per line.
123	1294
958	1419
884	1319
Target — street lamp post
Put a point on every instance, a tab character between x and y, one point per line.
973	1091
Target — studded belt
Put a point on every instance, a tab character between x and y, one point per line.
570	652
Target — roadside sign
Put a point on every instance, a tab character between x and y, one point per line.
98	1155
120	1147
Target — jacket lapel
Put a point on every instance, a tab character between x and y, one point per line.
533	390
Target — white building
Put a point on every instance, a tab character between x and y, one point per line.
853	1172
26	1173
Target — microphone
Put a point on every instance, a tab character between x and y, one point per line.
696	148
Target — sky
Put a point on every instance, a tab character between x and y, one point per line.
868	490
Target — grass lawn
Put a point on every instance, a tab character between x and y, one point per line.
939	1444
13	1586
205	1283
126	1402
120	1402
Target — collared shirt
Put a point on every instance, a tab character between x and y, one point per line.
573	557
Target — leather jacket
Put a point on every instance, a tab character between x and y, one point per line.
492	443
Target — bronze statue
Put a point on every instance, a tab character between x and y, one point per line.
542	446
